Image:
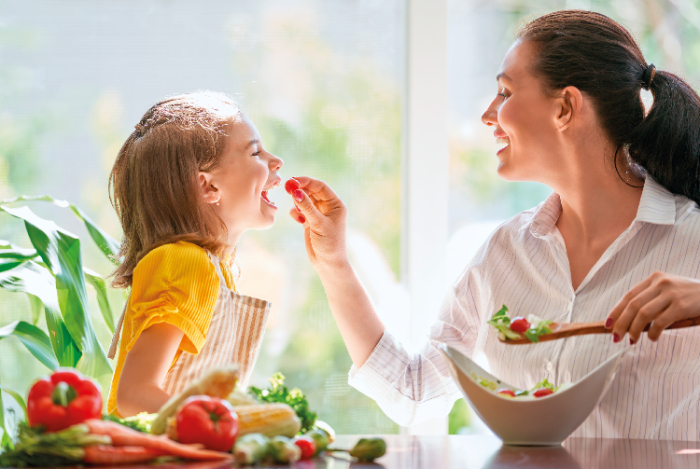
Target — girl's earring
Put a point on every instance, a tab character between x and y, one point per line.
217	203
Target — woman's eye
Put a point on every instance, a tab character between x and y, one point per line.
504	95
257	153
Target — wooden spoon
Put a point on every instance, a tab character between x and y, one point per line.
561	330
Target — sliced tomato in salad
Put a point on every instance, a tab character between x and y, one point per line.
542	392
506	393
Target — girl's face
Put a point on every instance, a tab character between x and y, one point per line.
239	186
524	120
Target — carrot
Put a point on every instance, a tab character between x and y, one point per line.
104	454
124	436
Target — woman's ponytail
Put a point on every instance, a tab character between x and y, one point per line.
667	141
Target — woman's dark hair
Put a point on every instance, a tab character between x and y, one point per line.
601	58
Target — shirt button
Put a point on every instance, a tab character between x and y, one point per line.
549	366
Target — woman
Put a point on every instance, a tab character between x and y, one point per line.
569	112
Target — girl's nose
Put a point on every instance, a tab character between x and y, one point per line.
275	163
490	116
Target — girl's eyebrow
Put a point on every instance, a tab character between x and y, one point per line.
503	76
252	142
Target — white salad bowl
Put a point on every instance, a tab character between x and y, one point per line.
538	422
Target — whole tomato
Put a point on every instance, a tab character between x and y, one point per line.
307	445
519	324
209	421
291	185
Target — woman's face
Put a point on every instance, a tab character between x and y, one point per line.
245	175
524	120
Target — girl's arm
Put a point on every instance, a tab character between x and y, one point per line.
145	368
324	216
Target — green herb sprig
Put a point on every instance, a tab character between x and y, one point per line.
533	334
279	393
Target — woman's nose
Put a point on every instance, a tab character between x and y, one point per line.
490	116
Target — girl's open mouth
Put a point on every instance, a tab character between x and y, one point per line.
263	194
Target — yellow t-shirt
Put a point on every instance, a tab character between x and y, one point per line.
176	284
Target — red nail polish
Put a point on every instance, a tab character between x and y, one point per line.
616	338
631	341
298	195
301	219
608	323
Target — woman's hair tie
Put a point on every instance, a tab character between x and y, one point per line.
648	76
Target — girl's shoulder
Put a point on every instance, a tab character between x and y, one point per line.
175	259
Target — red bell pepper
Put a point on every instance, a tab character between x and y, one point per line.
64	399
209	421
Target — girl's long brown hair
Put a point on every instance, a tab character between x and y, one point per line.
153	184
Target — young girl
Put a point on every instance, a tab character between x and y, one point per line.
187	183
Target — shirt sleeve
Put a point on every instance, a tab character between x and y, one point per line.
175	284
412	388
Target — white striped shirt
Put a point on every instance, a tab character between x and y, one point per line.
524	265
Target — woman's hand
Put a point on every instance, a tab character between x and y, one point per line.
323	216
660	300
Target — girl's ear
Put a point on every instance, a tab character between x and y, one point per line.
569	106
209	192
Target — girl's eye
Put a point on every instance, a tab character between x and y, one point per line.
257	153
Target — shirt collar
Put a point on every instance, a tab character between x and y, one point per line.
657	205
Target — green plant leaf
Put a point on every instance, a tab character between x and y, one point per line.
108	245
98	284
17	396
12	413
36	307
36	341
60	251
35	280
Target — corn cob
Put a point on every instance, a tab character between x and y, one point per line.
267	419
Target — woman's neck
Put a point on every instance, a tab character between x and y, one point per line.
597	206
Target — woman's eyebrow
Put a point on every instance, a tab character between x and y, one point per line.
252	142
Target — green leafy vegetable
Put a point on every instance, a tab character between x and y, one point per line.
544	384
140	422
501	322
38	449
294	398
533	334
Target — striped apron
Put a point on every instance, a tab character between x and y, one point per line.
235	335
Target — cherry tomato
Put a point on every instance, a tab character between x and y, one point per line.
542	392
519	324
209	421
506	392
291	185
307	445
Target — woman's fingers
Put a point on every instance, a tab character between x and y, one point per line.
632	309
297	216
624	302
307	207
652	312
316	188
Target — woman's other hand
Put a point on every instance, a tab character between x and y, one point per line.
323	216
660	300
